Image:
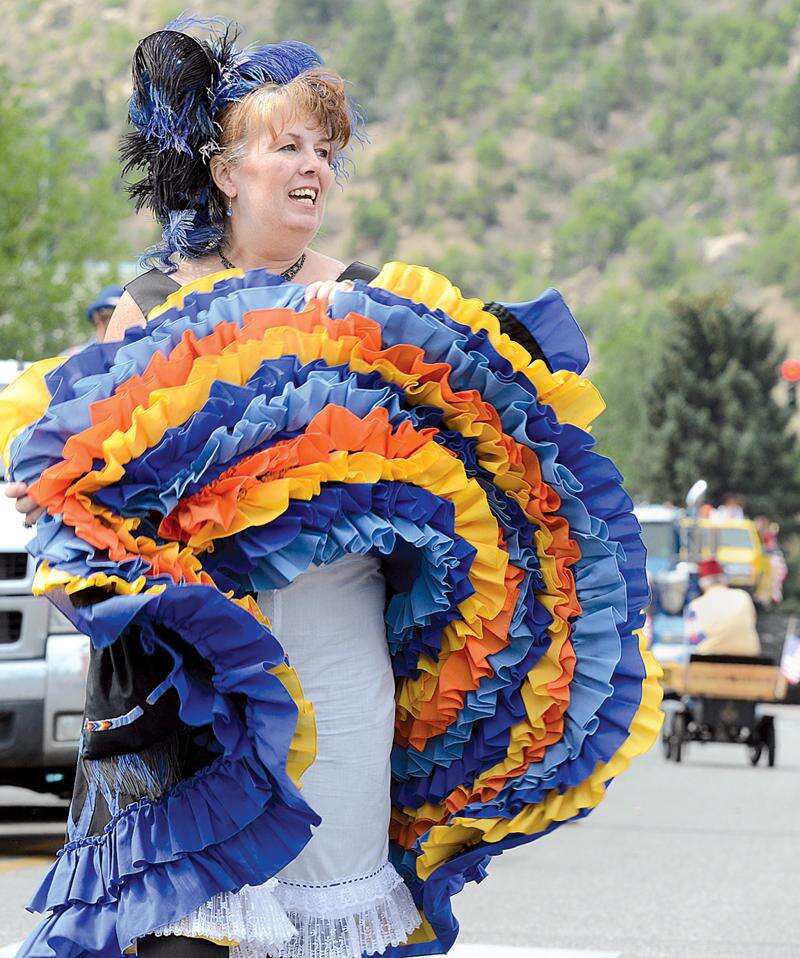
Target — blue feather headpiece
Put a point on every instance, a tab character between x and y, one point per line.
180	85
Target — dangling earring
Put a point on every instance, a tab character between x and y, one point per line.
229	210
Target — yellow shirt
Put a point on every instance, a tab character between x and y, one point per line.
724	621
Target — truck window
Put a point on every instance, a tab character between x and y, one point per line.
659	539
734	539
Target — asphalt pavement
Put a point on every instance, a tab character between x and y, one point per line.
698	860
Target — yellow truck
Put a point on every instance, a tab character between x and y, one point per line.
736	545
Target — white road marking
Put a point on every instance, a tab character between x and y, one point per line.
503	951
466	951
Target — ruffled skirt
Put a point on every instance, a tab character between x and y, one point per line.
220	452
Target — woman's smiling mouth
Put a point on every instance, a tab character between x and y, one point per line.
307	195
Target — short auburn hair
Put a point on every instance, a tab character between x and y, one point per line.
317	93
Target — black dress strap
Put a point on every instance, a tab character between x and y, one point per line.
151	289
360	271
511	326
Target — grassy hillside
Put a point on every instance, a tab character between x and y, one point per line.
622	151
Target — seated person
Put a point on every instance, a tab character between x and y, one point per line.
721	621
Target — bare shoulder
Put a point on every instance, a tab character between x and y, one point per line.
126	314
324	267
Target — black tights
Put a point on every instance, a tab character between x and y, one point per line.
171	946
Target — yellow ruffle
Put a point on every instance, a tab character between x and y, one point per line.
24	401
574	398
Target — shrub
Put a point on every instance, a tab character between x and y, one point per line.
475	206
603	215
776	258
657	255
371	38
373	224
489	150
786	113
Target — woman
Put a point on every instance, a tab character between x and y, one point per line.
246	446
262	197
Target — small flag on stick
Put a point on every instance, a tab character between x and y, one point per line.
790	660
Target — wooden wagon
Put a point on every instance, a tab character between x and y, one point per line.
715	699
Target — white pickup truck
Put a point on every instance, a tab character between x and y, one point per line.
43	663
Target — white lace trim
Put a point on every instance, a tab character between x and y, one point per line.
339	898
252	916
364	914
348	918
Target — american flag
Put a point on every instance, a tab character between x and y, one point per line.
790	660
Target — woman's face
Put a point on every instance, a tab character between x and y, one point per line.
281	184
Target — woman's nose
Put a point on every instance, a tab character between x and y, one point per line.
312	161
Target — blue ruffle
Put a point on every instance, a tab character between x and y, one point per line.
238	821
551	323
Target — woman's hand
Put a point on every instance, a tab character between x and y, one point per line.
324	290
25	504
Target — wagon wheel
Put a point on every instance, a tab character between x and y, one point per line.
666	735
768	736
678	736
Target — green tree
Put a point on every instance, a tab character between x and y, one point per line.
489	151
776	259
602	216
711	410
374	225
58	234
435	51
622	326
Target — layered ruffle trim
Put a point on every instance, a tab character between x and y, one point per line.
362	915
251	920
349	918
241	818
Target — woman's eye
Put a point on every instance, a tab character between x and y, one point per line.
324	153
289	146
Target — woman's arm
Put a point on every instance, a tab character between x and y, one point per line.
125	315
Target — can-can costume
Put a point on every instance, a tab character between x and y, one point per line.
364	603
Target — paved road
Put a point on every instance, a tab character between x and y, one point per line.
692	861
